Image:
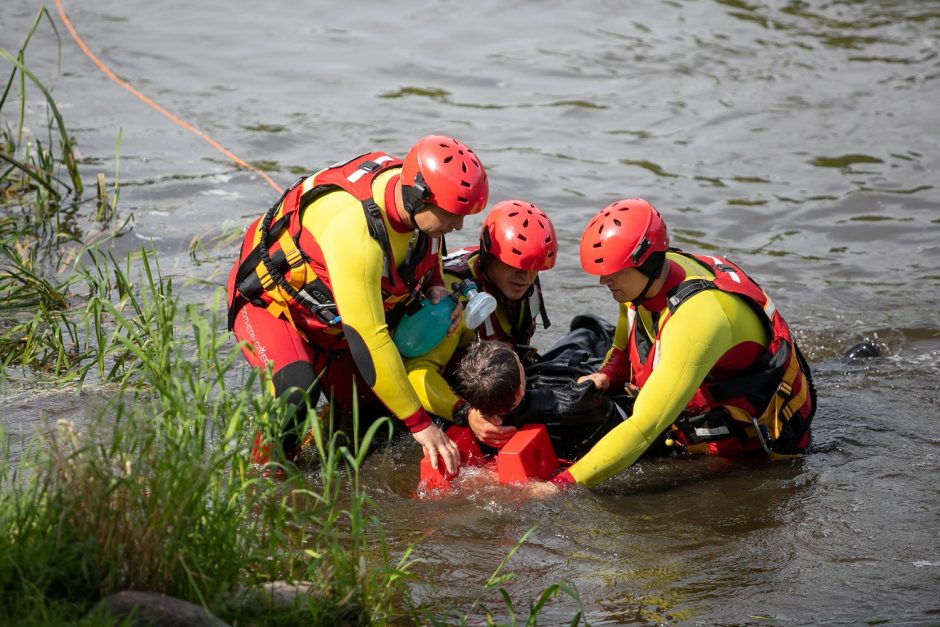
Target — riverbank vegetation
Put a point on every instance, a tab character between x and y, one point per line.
152	489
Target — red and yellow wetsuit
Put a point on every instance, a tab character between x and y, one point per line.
712	336
352	262
512	322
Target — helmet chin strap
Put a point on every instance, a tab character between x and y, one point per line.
643	297
652	276
484	262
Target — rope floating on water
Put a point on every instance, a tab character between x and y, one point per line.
137	94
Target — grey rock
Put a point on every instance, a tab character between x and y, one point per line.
152	609
279	595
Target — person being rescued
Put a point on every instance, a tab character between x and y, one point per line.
517	241
712	363
576	414
326	273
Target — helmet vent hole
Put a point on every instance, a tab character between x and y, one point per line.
448	158
523	237
617	222
464	184
462	199
596	245
517	252
599	260
463	166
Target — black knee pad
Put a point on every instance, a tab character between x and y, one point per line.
292	380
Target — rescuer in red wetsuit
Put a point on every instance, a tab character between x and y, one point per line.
517	241
325	275
710	359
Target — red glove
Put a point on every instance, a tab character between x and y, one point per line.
563	478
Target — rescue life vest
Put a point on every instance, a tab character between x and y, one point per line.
522	315
284	269
771	403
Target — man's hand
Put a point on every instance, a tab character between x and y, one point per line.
436	443
489	429
435	293
601	380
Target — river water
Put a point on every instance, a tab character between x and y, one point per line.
799	138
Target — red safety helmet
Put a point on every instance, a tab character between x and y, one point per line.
520	235
442	171
623	235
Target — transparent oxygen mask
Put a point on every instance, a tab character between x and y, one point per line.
479	307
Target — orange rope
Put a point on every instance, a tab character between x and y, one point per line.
101	66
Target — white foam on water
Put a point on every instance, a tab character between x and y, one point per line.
222	193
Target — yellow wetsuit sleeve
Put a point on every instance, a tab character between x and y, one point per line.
355	262
425	371
425	374
702	330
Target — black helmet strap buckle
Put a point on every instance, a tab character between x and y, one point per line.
485	242
641	248
415	195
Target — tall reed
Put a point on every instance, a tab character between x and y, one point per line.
34	171
40	185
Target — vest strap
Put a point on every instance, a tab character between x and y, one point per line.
378	233
686	290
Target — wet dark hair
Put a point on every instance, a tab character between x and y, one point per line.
488	377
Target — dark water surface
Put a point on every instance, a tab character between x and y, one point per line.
799	138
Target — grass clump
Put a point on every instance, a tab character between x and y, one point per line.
156	493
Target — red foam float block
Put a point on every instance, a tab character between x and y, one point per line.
470	455
260	450
527	455
438	479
